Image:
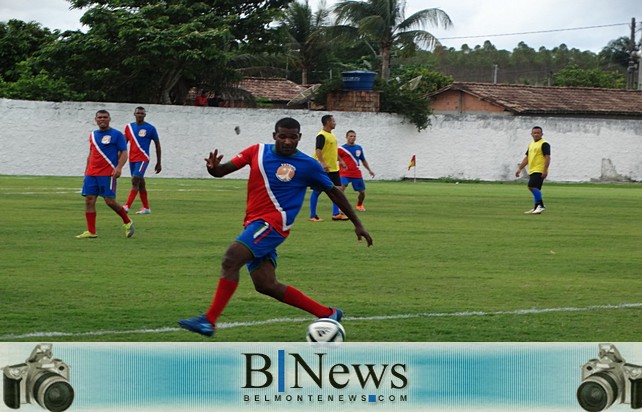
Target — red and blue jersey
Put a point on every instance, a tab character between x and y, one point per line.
351	156
277	184
140	138
104	147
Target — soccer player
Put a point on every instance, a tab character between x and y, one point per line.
325	151
351	154
279	177
107	156
140	135
538	158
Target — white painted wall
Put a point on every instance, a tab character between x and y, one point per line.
45	138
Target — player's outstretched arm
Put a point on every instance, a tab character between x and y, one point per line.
339	198
214	166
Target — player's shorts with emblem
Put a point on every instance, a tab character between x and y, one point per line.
104	186
262	240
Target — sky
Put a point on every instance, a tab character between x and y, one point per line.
580	24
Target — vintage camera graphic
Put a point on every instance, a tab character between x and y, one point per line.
40	379
608	380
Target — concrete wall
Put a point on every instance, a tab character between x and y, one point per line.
44	138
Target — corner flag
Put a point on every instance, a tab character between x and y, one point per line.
412	162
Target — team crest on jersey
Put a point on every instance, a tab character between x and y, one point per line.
106	139
142	133
358	152
285	172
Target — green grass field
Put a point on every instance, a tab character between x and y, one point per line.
450	262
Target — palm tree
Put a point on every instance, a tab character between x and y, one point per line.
305	30
383	22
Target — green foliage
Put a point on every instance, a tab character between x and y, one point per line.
39	86
576	77
308	43
18	42
523	64
151	51
383	23
412	104
448	275
397	94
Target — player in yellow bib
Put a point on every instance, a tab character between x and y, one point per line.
538	158
326	152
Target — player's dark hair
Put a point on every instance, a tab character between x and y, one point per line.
103	111
350	131
325	119
287	123
139	108
537	127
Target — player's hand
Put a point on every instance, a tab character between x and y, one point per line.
363	233
214	159
158	168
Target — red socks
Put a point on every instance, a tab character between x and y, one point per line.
123	214
296	298
132	197
143	199
224	292
91	222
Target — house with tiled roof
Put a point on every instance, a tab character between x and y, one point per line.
273	92
525	100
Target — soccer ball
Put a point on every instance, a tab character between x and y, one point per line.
325	330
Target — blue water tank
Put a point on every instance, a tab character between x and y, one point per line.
358	80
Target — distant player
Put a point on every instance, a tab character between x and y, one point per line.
140	135
279	177
107	156
352	155
538	158
325	151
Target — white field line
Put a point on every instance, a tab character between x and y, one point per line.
226	325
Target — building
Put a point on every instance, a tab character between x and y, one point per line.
523	100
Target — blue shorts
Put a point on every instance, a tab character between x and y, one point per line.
138	169
357	183
262	240
104	186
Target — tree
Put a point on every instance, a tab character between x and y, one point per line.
143	50
383	22
617	52
19	41
576	77
306	33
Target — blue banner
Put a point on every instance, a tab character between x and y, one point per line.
339	377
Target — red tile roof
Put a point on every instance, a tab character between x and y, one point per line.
523	99
274	89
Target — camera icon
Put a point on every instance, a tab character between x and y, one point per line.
41	379
608	380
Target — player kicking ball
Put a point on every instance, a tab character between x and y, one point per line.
279	177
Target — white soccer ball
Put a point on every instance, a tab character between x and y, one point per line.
325	330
